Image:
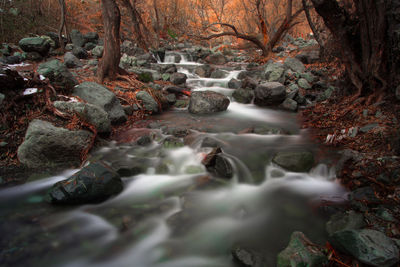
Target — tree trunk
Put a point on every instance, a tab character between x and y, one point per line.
62	24
361	36
109	64
136	21
317	36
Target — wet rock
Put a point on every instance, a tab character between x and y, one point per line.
77	38
249	83
181	103
90	113
98	51
289	104
206	102
72	61
301	161
234	84
245	257
349	220
295	65
10	80
132	166
368	246
178	78
211	142
218	74
218	164
35	44
80	52
216	59
93	183
203	71
48	146
269	94
58	74
100	96
148	101
301	252
6	50
244	96
144	140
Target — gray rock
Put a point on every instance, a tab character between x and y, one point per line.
148	101
269	93
127	62
72	61
80	52
69	47
89	112
326	94
100	96
93	183
206	102
178	78
308	76
369	127
89	46
98	51
129	48
349	220
77	38
296	161
91	37
274	72
301	252
218	74
216	59
35	44
203	71
218	164
289	104
171	98
58	74
368	246
234	84
295	65
244	96
48	146
303	83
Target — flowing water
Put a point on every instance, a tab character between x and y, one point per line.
174	214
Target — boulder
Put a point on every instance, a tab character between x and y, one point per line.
178	78
90	113
244	96
98	51
301	161
77	38
203	71
218	74
308	57
350	220
35	44
91	37
93	183
295	65
234	84
218	164
206	102
274	72
216	59
148	101
89	46
289	104
58	74
301	252
368	246
100	96
48	146
80	52
72	61
269	93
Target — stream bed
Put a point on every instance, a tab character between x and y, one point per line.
174	213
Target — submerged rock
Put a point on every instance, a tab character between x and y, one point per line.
301	252
295	161
206	102
100	96
93	183
368	246
48	146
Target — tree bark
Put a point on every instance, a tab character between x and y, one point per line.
317	36
136	22
109	64
62	24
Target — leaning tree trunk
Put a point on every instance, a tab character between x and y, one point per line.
109	64
316	33
361	35
136	21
